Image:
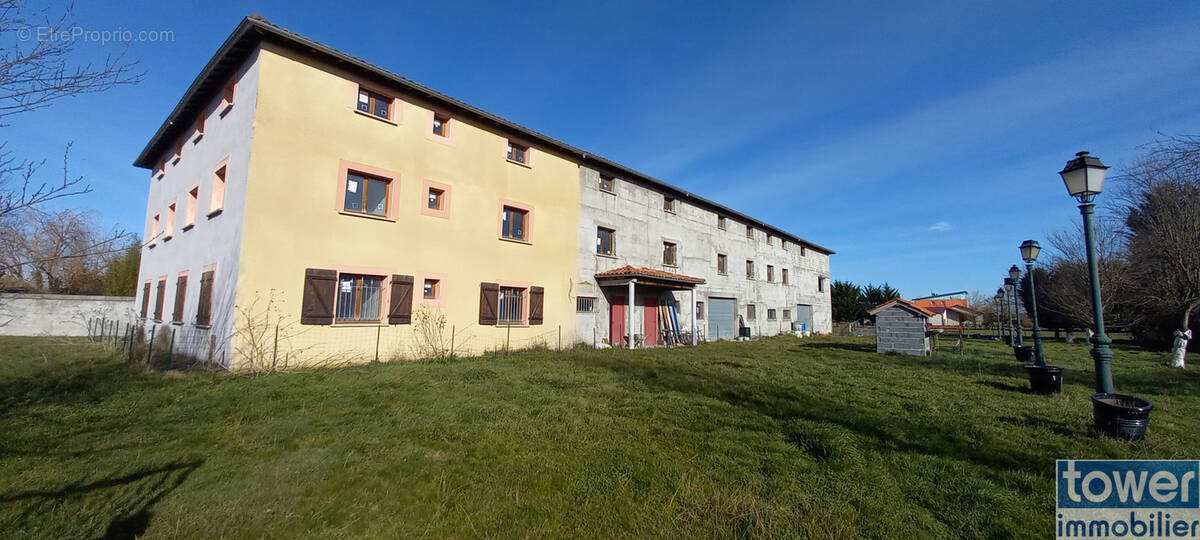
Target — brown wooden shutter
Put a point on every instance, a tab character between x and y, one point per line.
180	298
145	299
489	297
536	300
204	306
400	308
158	300
320	287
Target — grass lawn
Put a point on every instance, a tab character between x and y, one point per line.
781	437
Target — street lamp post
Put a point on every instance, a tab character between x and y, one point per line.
1008	312
1029	252
1116	415
1014	273
999	326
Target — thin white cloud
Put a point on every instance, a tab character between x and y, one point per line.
940	226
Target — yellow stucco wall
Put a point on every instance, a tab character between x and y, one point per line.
305	125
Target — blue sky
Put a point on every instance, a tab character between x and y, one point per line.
921	141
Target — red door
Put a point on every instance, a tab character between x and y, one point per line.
650	325
616	321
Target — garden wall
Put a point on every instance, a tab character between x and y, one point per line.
59	314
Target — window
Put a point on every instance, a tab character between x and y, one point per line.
366	194
204	304
189	216
749	269
820	284
180	297
514	224
432	289
607	183
154	229
199	132
227	96
433	199
178	153
161	171
169	229
217	201
585	304
699	310
749	231
511	305
803	252
769	239
358	298
158	299
750	312
518	153
783	244
770	314
785	277
669	254
374	104
770	273
669	204
721	222
441	125
606	241
787	315
722	264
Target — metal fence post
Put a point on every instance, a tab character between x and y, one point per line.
560	337
150	345
452	332
507	336
378	329
275	348
171	348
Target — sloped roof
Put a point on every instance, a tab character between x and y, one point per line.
902	303
628	271
254	29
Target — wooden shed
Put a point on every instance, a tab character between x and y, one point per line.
901	326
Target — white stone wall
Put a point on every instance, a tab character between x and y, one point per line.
214	240
636	213
60	314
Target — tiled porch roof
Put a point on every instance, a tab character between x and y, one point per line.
628	271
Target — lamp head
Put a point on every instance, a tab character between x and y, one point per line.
1084	176
1030	250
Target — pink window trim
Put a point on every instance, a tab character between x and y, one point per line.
528	208
393	177
216	200
419	289
525	285
228	96
528	152
444	212
395	115
198	132
169	223
193	205
154	223
451	128
385	292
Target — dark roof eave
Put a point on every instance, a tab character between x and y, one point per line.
241	36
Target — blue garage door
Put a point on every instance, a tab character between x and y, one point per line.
722	318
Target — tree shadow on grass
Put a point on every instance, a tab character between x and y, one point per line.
1006	387
853	347
131	497
60	385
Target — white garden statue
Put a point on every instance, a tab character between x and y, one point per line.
1179	351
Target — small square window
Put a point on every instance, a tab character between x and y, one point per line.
670	254
787	315
721	222
518	153
511	305
514	224
432	289
669	204
606	241
585	304
699	310
770	314
441	125
434	200
375	104
607	183
366	194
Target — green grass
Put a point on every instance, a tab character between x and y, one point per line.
782	437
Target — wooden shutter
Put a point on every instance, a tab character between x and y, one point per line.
145	299
204	306
400	308
180	298
536	300
320	287
489	297
158	300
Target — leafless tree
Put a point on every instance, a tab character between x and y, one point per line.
1068	290
35	72
57	252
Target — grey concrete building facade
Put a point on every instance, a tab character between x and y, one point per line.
767	279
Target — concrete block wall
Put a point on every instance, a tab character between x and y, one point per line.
901	330
60	314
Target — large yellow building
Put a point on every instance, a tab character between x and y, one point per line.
307	207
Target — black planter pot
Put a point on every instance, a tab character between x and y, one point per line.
1045	379
1025	354
1121	416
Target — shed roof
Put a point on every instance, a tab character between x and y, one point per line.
900	302
635	272
254	29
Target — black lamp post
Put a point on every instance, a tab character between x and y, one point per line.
1029	252
999	326
1008	312
1115	414
1014	274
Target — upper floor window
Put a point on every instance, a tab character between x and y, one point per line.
193	201
216	202
749	231
607	183
769	239
518	153
783	244
434	198
722	264
198	133
803	252
669	204
154	229
366	194
749	269
358	298
514	224
721	222
770	273
441	125
670	254
785	276
820	284
372	103
606	241
169	229
227	96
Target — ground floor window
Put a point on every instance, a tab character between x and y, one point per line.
749	312
787	315
770	314
585	304
511	299
358	298
699	310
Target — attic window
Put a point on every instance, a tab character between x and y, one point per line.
374	104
